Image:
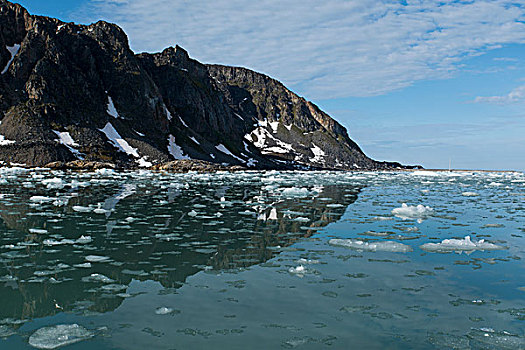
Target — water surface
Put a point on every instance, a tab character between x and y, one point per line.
247	260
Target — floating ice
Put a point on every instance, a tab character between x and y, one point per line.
81	209
386	246
53	183
307	261
295	192
59	335
96	258
38	231
41	199
299	270
413	212
163	310
460	245
97	277
469	194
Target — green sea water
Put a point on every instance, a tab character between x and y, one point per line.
261	260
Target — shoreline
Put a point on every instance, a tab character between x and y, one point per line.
186	166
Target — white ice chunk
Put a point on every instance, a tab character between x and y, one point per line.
460	245
299	270
82	209
38	231
117	141
163	310
386	246
223	149
470	194
97	277
295	192
60	335
413	212
174	149
41	199
273	214
96	258
54	183
13	50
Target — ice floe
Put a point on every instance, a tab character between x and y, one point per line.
469	194
407	212
460	245
386	246
97	258
163	310
60	335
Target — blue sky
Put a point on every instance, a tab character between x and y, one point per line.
416	81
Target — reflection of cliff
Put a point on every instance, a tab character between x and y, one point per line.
161	233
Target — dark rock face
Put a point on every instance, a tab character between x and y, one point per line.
73	92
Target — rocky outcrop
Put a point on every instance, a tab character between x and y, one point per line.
72	92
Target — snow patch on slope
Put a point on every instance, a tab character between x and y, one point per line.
66	139
13	50
318	153
174	149
3	141
112	111
223	149
117	140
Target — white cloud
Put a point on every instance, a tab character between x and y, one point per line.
515	96
323	49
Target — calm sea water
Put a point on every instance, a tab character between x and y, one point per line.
262	260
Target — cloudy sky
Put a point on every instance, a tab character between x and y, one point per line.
420	82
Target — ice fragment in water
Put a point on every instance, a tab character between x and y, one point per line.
81	209
469	194
59	335
460	245
96	258
387	246
412	212
37	230
299	270
163	310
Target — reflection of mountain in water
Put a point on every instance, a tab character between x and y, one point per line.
151	231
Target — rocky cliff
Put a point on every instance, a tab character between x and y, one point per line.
72	92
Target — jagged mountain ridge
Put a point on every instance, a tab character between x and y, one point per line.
70	92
